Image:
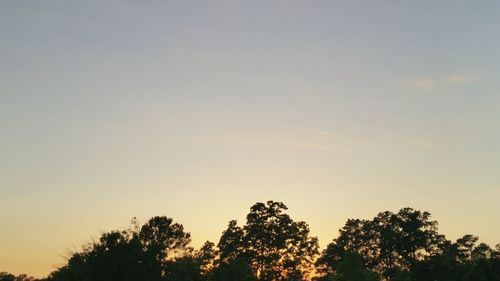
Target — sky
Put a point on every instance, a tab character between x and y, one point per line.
198	109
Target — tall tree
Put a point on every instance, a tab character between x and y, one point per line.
416	234
129	255
464	247
351	268
205	257
388	243
481	251
275	246
231	243
235	270
356	236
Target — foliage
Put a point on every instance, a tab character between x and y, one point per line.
275	246
407	246
388	241
351	268
235	270
5	276
130	254
400	246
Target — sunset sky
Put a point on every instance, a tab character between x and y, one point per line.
197	109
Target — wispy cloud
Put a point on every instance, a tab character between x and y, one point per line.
311	146
425	84
243	141
461	78
317	144
432	85
324	133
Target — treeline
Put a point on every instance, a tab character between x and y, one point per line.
402	246
5	276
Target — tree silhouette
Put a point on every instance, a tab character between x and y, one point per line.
270	246
231	243
235	270
5	276
351	268
388	243
205	257
275	246
129	254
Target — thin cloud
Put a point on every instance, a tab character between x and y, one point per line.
425	84
243	141
295	144
311	146
324	133
432	85
461	78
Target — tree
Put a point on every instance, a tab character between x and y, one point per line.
128	255
356	236
117	255
271	246
496	253
231	243
416	234
205	257
481	251
438	267
351	268
388	243
185	268
275	246
464	247
5	276
398	275
164	237
385	229
236	270
482	270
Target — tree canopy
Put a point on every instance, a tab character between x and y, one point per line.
271	246
274	245
407	246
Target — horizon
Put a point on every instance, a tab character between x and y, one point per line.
196	242
197	110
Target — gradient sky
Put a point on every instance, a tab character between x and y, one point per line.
198	109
